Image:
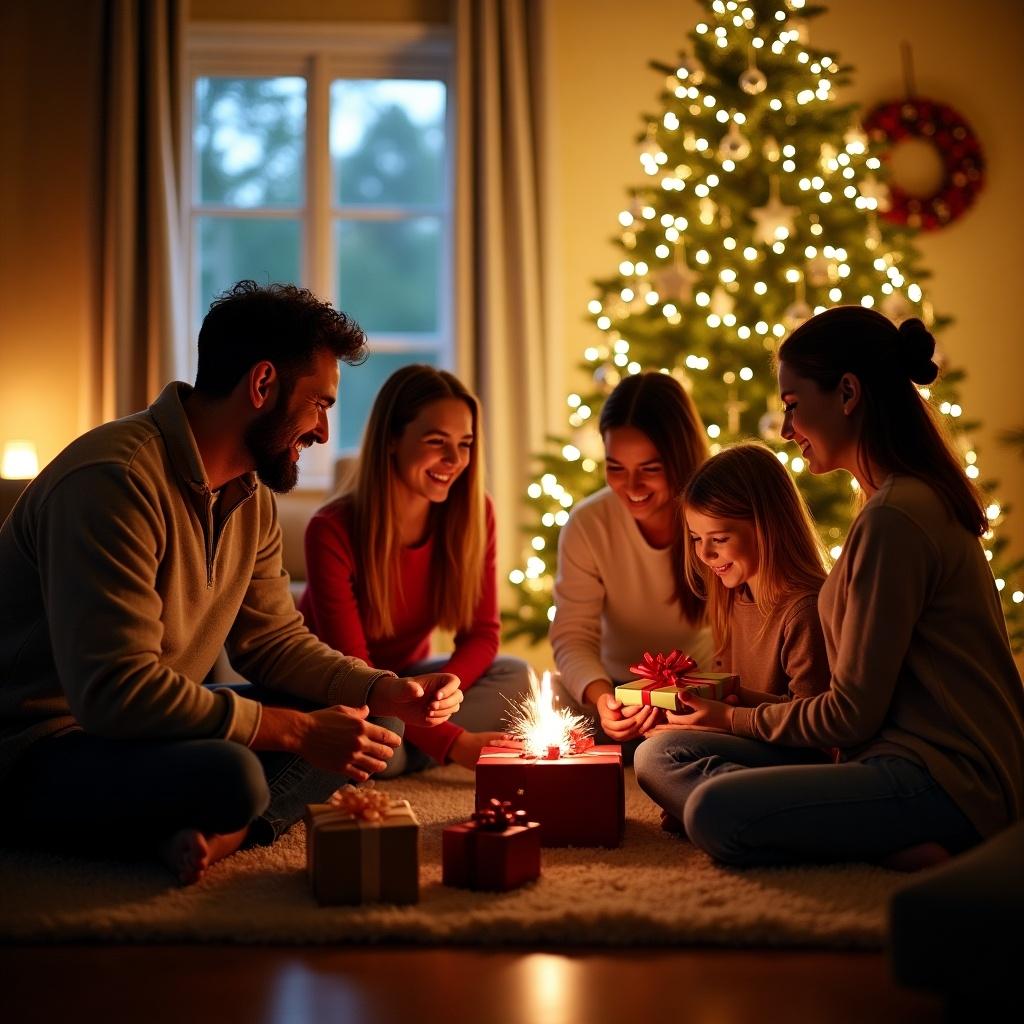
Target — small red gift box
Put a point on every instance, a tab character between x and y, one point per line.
579	799
498	850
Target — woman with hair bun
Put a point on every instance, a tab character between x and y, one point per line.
925	703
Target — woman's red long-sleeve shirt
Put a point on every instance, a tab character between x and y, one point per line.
333	611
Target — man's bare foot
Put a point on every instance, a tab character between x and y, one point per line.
189	853
670	823
916	858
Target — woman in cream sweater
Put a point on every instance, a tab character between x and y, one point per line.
621	587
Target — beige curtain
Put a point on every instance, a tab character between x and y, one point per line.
143	330
499	275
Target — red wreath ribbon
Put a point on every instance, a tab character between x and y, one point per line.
497	816
664	669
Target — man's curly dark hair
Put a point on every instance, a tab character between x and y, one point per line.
281	323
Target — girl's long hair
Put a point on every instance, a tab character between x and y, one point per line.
457	525
747	481
901	432
657	405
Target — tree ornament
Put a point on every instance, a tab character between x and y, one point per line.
734	145
774	220
769	426
855	140
607	376
820	271
677	281
708	209
733	409
897	307
877	191
753	81
722	303
690	70
771	149
827	156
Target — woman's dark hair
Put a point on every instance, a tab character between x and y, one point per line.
281	323
900	431
657	405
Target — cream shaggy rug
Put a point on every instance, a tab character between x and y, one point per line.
654	889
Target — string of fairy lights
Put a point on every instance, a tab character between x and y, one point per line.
728	288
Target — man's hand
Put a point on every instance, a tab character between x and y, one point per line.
418	700
336	739
707	715
467	746
624	723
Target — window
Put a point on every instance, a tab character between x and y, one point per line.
322	157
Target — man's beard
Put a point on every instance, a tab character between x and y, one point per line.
269	442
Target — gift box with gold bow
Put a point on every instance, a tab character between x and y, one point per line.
362	848
497	849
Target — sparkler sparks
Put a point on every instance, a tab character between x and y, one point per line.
541	727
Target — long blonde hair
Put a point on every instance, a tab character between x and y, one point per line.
457	525
747	481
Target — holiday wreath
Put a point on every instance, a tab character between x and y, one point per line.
957	146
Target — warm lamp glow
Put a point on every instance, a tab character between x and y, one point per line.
20	461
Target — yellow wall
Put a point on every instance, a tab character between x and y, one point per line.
964	54
598	83
49	229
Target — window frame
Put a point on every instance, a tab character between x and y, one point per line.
321	53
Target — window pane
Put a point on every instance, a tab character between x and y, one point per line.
388	273
249	137
388	141
359	387
230	248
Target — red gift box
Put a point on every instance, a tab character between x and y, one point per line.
474	857
579	799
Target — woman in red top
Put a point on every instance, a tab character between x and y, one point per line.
410	548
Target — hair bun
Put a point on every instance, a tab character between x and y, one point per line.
916	349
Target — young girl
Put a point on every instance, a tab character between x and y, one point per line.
924	701
410	548
621	587
755	555
753	552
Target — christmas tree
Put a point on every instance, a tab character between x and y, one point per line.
760	207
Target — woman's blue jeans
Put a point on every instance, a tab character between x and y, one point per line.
749	803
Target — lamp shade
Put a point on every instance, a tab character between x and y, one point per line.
20	461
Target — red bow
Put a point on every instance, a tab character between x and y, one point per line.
498	816
664	669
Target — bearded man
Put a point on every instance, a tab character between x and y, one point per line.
141	550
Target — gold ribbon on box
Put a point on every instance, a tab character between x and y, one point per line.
367	809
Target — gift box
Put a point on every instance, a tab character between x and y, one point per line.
672	697
579	799
498	849
712	685
353	857
651	693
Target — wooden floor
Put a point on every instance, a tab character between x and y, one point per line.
275	985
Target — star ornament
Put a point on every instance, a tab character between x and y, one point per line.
772	217
676	283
